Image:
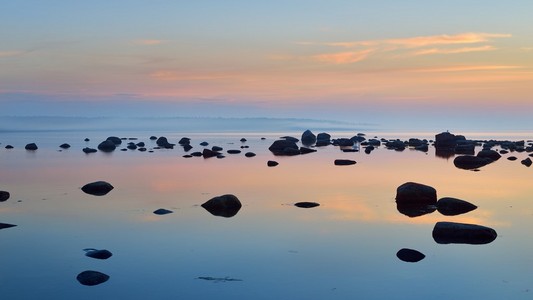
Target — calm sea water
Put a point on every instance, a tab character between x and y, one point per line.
343	249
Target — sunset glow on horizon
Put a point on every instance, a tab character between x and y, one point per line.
272	56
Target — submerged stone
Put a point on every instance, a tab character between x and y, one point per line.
162	211
272	163
31	146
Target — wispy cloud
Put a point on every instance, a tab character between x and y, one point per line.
149	42
343	57
11	53
453	50
412	46
467	68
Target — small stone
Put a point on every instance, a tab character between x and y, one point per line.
97	188
306	204
64	146
98	254
344	162
9	147
89	150
249	154
410	255
233	151
91	278
162	211
272	163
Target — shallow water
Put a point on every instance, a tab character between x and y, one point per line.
343	249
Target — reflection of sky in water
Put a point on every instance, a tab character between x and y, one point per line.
343	249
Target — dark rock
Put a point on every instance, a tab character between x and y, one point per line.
187	147
526	162
344	162
221	156
98	254
243	140
349	150
163	143
31	146
97	188
490	154
142	149
459	233
64	146
249	154
131	146
217	148
187	156
284	147
469	162
414	142
233	151
140	144
123	149
153	138
325	137
512	158
322	143
272	163
290	138
89	150
369	149
395	145
245	147
446	140
196	154
107	146
343	142
358	139
92	278
263	138
416	194
223	206
184	141
162	211
306	204
423	148
86	139
468	149
308	138
5	225
115	140
204	144
452	206
410	255
4	196
9	147
415	210
207	153
374	142
305	150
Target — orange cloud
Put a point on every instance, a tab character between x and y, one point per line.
453	51
467	68
343	57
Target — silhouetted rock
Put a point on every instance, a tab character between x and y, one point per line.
187	156
490	154
207	153
31	146
233	151
97	188
9	147
163	143
188	147
343	142
243	140
5	225
272	163
153	138
204	144
512	158
86	139
115	140
249	154
358	139
142	149
290	138
469	162
64	146
196	154
395	145
140	144
324	137
415	210
131	146
410	255
306	204
459	233
107	146
4	195
526	162
344	162
451	206
369	149
217	148
223	206
284	147
91	278
89	150
98	254
308	138
162	211
412	193
446	140
414	142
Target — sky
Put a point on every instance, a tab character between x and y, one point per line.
403	63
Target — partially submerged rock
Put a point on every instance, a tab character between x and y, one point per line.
97	188
344	162
412	193
306	204
4	195
31	146
526	162
64	146
308	137
162	211
272	163
88	150
92	278
470	162
410	255
107	146
98	254
223	206
284	147
5	225
459	233
451	206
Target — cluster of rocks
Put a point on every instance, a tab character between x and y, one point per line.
415	199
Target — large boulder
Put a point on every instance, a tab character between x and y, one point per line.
91	278
447	140
4	195
284	147
451	206
163	143
460	233
469	162
115	140
223	206
107	146
308	137
416	194
490	154
97	188
31	146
